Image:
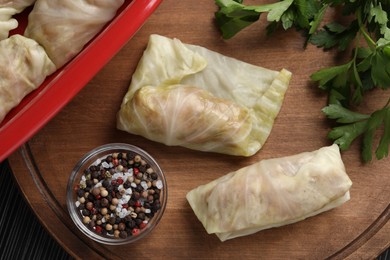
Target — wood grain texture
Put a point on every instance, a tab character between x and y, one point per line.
358	229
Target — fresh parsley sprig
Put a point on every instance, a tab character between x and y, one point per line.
368	35
355	124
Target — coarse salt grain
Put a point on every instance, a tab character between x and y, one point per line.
77	203
97	162
105	165
144	185
133	184
123	213
159	184
147	211
129	191
122	201
126	175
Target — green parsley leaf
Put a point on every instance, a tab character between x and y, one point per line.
343	115
233	16
366	32
383	148
377	14
334	34
346	134
327	74
380	70
373	123
357	124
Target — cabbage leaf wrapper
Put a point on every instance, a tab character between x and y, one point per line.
64	27
272	193
186	95
24	65
8	8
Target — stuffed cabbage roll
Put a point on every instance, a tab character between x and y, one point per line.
7	10
7	23
64	27
272	193
17	5
24	65
227	124
234	117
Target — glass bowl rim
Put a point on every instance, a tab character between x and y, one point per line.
100	152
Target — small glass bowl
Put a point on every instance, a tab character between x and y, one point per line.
125	210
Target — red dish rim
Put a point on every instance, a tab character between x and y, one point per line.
58	89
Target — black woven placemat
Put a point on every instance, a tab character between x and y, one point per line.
22	236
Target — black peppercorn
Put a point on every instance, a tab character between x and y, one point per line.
138	221
89	183
154	176
111	220
80	193
85	212
123	234
141	215
109	159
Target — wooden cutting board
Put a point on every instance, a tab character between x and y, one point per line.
358	229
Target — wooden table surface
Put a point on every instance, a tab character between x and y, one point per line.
358	229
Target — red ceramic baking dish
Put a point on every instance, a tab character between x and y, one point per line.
58	89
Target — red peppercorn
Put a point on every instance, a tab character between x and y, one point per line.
125	206
135	231
76	187
98	229
143	225
136	171
138	203
98	197
115	162
119	181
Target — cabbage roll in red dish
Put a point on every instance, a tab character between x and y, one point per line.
186	95
24	65
7	10
272	193
64	27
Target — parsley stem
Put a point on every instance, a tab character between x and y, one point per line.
367	37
